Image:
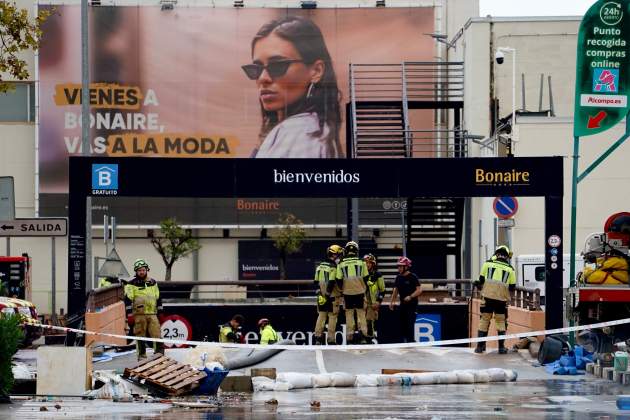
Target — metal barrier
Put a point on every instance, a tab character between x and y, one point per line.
455	289
522	297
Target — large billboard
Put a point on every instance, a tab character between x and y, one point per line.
210	82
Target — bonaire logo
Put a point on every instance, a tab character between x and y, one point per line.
105	179
606	80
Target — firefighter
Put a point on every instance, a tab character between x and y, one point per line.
353	272
407	287
496	280
230	332
374	295
142	299
267	334
328	296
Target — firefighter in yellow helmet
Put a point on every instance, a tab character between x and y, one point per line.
142	299
328	295
374	295
353	272
497	279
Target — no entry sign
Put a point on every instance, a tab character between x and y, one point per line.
505	207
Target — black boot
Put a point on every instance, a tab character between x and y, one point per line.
319	341
481	346
502	349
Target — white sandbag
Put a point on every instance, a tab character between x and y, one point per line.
447	378
481	376
321	380
262	383
342	379
496	374
464	377
510	375
296	380
389	380
21	371
205	355
114	389
426	378
366	380
281	386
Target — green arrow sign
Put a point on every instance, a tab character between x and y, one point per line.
602	82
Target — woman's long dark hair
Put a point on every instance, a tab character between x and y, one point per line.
308	40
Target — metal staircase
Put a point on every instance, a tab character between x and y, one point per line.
384	99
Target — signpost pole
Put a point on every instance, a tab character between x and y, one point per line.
574	190
53	273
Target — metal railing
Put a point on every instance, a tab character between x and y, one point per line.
522	297
420	81
455	290
398	85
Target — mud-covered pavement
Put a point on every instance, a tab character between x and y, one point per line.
536	394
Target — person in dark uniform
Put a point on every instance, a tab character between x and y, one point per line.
407	286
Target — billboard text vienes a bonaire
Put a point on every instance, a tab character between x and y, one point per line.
212	82
603	62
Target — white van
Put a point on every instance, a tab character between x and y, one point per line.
530	271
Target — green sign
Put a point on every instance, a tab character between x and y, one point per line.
602	82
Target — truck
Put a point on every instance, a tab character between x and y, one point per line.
602	292
530	272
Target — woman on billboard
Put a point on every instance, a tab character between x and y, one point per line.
298	91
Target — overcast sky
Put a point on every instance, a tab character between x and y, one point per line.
534	7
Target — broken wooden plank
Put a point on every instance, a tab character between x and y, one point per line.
180	377
150	364
166	371
157	368
191	380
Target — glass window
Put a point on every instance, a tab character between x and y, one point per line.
18	105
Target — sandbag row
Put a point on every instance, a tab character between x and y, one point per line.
295	380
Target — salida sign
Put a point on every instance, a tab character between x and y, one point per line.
602	83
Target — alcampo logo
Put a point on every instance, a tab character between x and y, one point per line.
513	177
332	177
105	179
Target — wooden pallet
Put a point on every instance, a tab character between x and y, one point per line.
165	375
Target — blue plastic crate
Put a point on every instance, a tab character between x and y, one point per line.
210	384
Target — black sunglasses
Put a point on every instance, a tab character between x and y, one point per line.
274	68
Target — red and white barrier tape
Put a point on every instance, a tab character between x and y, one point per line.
346	346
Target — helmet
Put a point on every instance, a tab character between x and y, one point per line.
504	250
334	250
139	263
351	248
369	258
262	322
404	261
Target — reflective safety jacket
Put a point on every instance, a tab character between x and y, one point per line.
498	278
107	281
326	278
268	335
227	334
375	288
142	297
354	273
